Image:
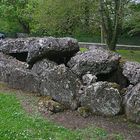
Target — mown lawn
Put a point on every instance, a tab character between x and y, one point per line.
16	124
130	55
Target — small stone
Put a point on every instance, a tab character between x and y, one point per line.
89	79
84	112
115	86
53	106
46	104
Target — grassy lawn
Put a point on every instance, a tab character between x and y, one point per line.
16	124
130	55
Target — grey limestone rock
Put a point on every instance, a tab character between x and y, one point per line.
59	50
16	74
97	61
132	104
131	70
102	99
61	84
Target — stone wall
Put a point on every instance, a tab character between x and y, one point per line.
97	79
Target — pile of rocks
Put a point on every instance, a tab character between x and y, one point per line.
96	80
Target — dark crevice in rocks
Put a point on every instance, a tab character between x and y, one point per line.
115	76
20	56
59	58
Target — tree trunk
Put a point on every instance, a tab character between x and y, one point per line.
25	26
87	15
111	19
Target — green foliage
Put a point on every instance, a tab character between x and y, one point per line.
64	18
132	20
50	17
17	14
79	19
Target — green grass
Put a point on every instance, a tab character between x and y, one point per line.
83	49
130	55
16	124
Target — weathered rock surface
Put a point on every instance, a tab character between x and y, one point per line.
46	104
76	86
16	74
43	66
89	79
19	45
131	70
84	112
33	49
102	99
59	50
59	83
132	104
97	61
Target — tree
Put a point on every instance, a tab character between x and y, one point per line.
132	22
112	13
18	11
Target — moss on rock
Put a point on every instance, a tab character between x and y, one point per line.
84	111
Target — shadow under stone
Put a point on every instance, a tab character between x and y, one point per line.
20	56
115	76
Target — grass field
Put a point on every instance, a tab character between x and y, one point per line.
16	124
130	55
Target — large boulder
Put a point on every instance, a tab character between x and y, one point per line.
16	74
131	70
59	50
25	80
19	45
61	84
43	66
96	61
102	99
132	104
17	48
31	50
